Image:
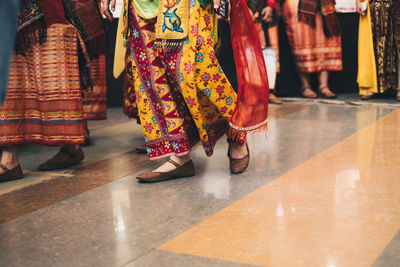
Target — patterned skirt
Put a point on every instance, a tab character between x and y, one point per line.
95	101
386	32
44	103
182	97
312	50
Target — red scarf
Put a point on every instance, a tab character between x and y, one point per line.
253	93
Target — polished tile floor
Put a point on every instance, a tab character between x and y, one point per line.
322	189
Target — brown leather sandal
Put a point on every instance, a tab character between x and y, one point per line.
307	92
88	139
185	170
141	149
63	159
398	94
239	165
9	175
325	92
367	96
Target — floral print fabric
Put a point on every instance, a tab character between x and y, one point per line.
182	97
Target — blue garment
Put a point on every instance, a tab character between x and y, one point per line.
8	29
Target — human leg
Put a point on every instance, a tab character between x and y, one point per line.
323	88
306	90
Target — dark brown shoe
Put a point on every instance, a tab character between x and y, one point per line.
9	175
239	165
63	159
142	149
185	170
367	96
398	95
88	139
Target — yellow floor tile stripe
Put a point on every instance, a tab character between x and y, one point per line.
340	208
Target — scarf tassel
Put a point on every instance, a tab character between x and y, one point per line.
84	69
235	135
168	46
30	35
86	81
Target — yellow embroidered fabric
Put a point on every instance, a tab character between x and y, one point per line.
172	19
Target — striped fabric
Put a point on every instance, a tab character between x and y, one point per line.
95	101
312	50
44	103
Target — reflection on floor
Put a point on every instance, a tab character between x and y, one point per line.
322	190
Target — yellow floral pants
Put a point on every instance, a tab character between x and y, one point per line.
183	96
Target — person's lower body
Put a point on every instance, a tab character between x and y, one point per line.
385	47
313	51
323	88
197	97
44	107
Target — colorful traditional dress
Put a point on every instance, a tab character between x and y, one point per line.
312	49
181	92
385	31
44	99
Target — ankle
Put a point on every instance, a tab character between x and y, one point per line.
10	164
237	150
180	159
177	161
71	148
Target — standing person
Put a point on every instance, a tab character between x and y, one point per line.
265	20
86	18
8	26
314	35
48	72
182	94
379	46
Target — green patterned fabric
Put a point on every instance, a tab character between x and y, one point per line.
146	8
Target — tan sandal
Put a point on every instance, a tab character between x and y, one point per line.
273	99
307	92
325	92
